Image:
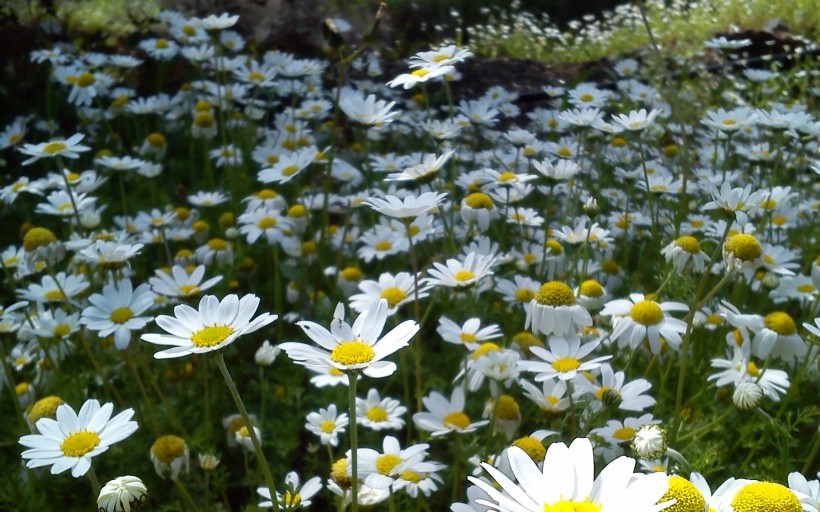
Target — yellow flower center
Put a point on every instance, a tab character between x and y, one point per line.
420	72
456	419
765	497
45	407
744	247
211	336
54	147
485	349
566	364
266	222
507	176
463	275
687	496
338	472
61	330
85	79
292	499
121	315
586	97
376	413
507	408
565	152
624	433
689	244
780	322
204	119
393	295
591	288
524	294
555	247
479	201
168	448
714	319
752	369
188	289
383	245
554	293
53	295
385	463
646	312
805	288
768	204
79	443
327	426
532	447
411	476
290	169
38	237
161	44
217	244
467	337
352	352
572	506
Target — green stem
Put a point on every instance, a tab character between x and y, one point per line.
185	494
95	484
260	455
354	441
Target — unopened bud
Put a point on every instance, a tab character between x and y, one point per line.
649	442
747	395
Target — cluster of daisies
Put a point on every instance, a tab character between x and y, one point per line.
588	270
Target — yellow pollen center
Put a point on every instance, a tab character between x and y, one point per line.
714	319
532	447
411	476
586	97
217	244
566	364
591	288
44	408
161	44
327	426
765	497
85	79
351	274
781	323
554	293
456	419
507	176
289	170
686	495
393	295
383	245
805	288
266	222
292	499
210	336
79	443
256	76
688	244
463	275
524	294
61	330
624	433
376	413
467	337
204	119
168	448
646	312
352	353
744	247
53	295
507	408
572	506
420	72
385	463
479	201
54	147
188	289
485	349
752	369
121	315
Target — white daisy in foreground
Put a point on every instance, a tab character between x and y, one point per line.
566	483
639	318
353	348
216	325
71	440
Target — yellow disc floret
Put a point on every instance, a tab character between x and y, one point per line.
646	312
781	323
210	336
765	497
744	247
352	352
168	448
532	447
456	419
38	237
689	244
554	293
479	200
79	443
686	495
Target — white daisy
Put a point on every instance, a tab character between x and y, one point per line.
353	348
639	318
564	359
67	148
461	275
446	416
296	495
566	483
216	325
554	310
71	440
378	413
117	311
327	424
180	283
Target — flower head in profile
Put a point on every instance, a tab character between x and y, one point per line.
67	148
359	347
72	439
367	111
215	325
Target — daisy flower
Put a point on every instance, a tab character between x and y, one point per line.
216	325
563	359
470	332
378	413
296	494
636	121
550	397
566	483
170	455
117	311
424	171
478	208
613	392
72	439
521	289
420	75
554	310
59	288
685	251
367	111
396	289
461	275
616	433
639	318
446	416
180	283
410	207
327	424
356	348
67	148
380	470
737	495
